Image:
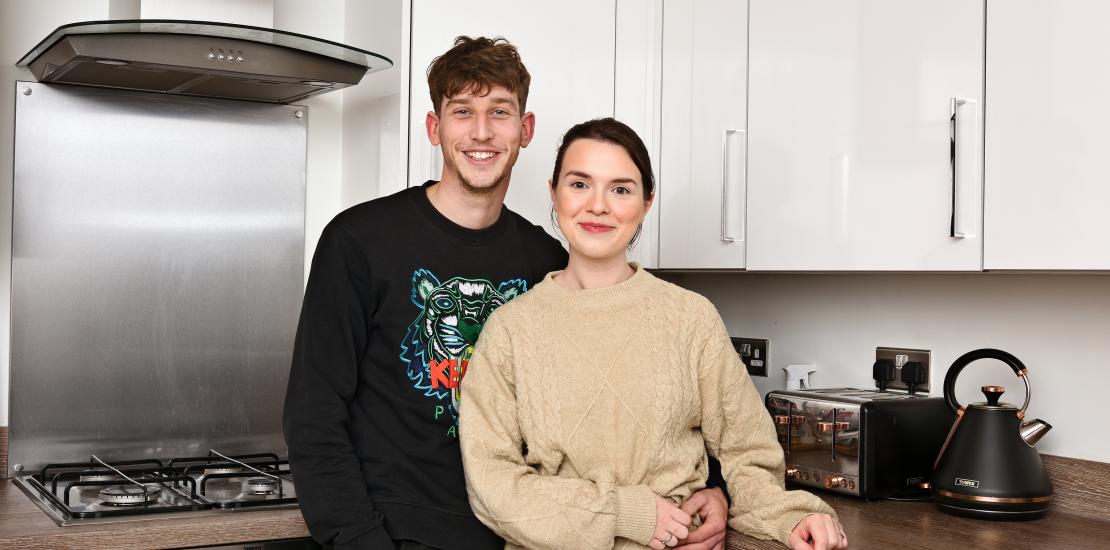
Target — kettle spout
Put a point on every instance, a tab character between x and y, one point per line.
1033	431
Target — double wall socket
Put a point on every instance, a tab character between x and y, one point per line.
753	352
901	356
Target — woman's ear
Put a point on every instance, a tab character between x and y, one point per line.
551	189
647	204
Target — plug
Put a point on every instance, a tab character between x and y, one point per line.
883	371
913	374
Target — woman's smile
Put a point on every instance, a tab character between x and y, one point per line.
595	227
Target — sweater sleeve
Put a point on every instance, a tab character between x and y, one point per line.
331	337
507	494
739	431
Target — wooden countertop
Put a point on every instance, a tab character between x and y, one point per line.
920	525
23	525
1079	518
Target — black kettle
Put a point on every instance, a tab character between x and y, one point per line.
988	466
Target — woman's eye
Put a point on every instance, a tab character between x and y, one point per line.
578	185
621	190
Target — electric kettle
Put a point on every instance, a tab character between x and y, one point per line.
988	466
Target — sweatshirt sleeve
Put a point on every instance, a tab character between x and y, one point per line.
739	431
331	337
508	495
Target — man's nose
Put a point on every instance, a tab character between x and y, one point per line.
482	129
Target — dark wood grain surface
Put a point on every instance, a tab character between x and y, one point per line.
3	452
884	525
1081	487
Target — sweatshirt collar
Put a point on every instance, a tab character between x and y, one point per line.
460	233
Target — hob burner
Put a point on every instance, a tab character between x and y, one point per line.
261	486
129	495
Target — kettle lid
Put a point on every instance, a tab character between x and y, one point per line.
993	393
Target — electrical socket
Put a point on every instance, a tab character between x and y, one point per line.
901	356
753	352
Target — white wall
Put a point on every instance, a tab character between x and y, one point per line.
372	110
324	178
259	13
1057	324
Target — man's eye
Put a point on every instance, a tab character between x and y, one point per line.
462	112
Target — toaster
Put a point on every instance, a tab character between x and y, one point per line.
860	442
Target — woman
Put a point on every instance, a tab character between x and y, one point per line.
591	400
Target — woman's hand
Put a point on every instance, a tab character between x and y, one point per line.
671	524
818	532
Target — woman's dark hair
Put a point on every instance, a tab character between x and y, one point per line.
609	130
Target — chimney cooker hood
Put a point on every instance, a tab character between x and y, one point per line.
199	58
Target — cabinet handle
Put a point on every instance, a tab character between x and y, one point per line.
952	148
724	183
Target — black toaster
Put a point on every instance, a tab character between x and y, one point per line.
860	442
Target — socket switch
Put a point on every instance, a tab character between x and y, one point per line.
753	352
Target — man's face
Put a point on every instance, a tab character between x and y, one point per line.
480	136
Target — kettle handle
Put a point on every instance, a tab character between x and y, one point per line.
985	353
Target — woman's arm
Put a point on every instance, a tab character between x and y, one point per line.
508	495
738	430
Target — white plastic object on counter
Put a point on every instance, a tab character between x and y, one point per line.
797	376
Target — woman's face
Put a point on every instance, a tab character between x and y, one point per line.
599	199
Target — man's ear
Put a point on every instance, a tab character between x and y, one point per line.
527	128
431	123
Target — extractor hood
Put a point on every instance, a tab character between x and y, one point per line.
199	58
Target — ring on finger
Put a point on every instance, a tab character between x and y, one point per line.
668	539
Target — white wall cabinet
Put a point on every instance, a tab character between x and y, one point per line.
703	146
849	135
1046	176
568	49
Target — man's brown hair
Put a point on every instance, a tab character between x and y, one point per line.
475	65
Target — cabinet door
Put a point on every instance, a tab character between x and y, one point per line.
702	173
568	49
1046	176
852	163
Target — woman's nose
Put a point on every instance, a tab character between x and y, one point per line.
598	203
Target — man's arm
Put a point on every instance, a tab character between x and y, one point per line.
331	339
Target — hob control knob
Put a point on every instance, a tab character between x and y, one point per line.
834	481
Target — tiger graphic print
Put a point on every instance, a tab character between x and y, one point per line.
439	343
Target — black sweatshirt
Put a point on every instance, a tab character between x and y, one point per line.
395	299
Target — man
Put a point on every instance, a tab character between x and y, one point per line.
398	292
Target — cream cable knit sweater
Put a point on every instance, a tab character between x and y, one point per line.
579	406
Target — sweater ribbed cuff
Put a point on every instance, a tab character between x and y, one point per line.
636	513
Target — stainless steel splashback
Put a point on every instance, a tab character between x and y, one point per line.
158	253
